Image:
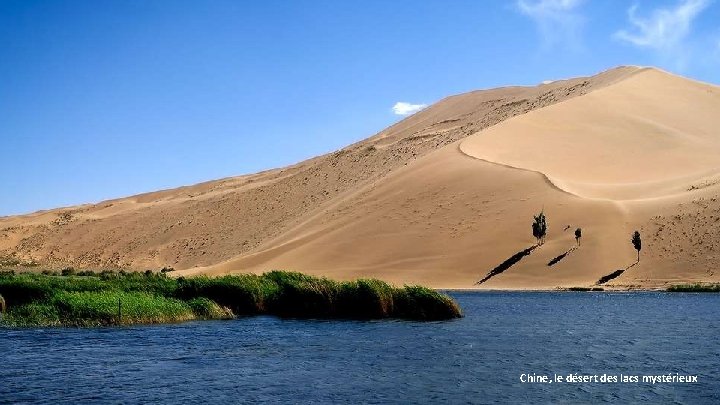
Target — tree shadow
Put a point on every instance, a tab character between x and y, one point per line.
615	274
512	260
562	256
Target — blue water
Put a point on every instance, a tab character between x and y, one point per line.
477	359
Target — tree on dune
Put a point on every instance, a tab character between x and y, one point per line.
637	243
578	235
539	227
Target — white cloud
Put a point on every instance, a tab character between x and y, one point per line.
545	7
665	28
559	21
403	108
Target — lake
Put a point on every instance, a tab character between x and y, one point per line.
476	359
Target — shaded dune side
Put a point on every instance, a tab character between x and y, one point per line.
213	222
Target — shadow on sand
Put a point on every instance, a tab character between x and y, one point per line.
562	256
615	274
507	263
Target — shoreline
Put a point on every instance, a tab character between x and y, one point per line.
585	289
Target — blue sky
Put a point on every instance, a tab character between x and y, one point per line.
102	99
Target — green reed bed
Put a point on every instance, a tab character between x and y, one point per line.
140	298
698	287
86	308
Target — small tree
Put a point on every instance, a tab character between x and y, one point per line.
578	235
539	227
637	243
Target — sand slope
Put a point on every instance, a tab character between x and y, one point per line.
444	196
445	221
652	134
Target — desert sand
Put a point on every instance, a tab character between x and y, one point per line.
444	196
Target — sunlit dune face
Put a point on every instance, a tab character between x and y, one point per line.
650	135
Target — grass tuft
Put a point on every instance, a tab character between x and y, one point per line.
205	308
33	314
86	308
423	304
366	299
302	296
244	294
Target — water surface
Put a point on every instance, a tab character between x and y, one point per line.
477	359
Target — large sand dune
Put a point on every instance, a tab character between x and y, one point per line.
444	196
650	135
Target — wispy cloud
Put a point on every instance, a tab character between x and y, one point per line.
665	28
559	21
403	108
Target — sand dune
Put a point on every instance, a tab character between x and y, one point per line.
444	196
445	220
650	135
